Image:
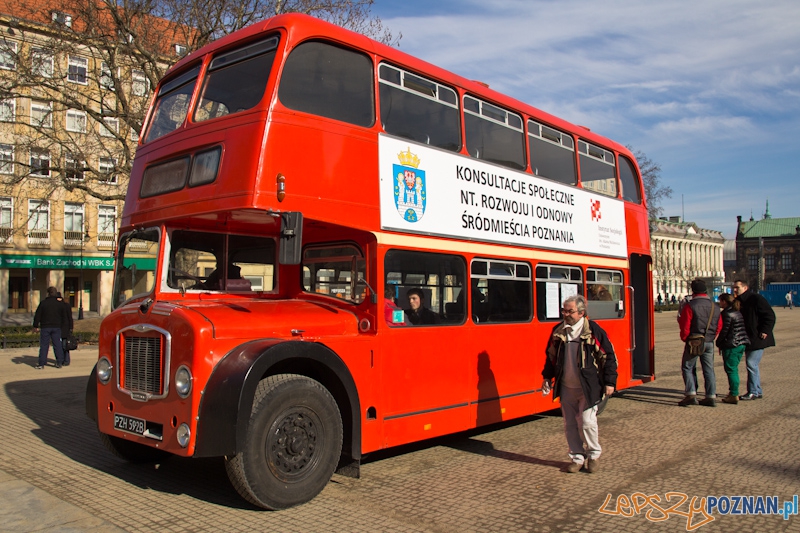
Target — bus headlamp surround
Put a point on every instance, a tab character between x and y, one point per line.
183	381
104	370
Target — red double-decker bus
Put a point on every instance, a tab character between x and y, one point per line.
330	247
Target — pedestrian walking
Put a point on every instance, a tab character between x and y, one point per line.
789	300
49	317
580	367
66	328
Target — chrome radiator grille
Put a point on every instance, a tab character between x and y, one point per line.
143	365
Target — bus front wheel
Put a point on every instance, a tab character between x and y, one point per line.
294	438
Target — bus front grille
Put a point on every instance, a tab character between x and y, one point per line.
143	365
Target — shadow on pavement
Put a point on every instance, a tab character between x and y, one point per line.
57	407
644	393
487	449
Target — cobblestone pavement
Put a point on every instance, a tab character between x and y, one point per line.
56	476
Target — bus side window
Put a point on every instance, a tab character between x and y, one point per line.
598	170
333	270
552	153
605	293
629	179
436	279
501	291
554	284
494	134
419	109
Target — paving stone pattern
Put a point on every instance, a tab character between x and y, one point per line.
56	476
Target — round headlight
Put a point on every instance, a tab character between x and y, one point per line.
183	382
104	370
183	435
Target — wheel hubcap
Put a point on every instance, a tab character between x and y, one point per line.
291	444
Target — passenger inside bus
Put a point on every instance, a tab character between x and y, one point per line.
234	281
417	313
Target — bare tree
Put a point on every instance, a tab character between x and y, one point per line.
88	68
653	188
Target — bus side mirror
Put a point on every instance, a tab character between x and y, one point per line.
291	241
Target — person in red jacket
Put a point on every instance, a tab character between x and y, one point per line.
694	319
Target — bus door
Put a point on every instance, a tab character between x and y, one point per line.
640	316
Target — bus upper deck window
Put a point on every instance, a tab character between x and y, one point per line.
419	109
493	134
236	80
172	104
598	173
329	81
629	179
552	153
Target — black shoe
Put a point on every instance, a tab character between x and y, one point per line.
749	396
66	364
708	402
58	366
689	400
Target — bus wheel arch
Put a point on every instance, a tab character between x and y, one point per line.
294	440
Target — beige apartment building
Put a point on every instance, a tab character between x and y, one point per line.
67	140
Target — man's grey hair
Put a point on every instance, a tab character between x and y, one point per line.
579	301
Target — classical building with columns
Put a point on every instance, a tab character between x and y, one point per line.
682	252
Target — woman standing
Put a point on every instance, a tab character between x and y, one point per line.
731	341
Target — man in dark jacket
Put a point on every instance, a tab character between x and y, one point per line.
418	313
66	328
699	316
759	319
50	315
581	359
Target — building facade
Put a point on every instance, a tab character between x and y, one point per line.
70	110
682	252
767	250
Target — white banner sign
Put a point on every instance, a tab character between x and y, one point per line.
434	192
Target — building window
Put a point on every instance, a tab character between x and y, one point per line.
73	220
40	162
6	216
6	159
110	127
769	262
41	63
78	67
106	223
139	84
107	169
41	114
181	49
752	262
38	217
74	167
134	135
62	18
8	110
786	261
8	55
76	121
106	77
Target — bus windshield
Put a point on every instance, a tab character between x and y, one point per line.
136	265
201	261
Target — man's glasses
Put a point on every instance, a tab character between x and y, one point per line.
568	311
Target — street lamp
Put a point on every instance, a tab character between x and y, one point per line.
84	238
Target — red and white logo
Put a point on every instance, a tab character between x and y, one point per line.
596	210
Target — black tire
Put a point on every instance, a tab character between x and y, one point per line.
294	439
133	451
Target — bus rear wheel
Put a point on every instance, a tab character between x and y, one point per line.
133	451
293	443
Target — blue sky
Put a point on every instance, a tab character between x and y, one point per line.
709	89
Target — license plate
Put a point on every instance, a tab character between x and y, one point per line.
129	424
